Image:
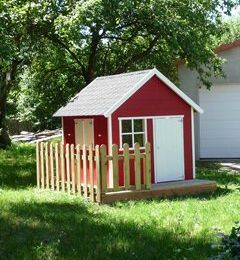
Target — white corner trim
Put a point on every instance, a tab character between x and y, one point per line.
149	75
193	144
109	125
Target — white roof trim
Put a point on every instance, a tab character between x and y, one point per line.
170	84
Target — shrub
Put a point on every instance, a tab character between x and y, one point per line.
230	244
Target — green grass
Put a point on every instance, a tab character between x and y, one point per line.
49	225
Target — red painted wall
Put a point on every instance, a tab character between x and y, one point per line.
156	99
99	124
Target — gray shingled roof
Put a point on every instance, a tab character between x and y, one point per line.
101	94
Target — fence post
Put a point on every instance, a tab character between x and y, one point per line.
126	166
38	164
148	166
103	161
99	175
115	167
137	166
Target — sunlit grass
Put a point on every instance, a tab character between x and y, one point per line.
49	225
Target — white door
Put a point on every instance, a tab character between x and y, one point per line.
220	123
84	132
168	149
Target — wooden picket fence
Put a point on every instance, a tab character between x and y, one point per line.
85	170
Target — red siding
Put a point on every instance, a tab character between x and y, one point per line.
100	129
156	99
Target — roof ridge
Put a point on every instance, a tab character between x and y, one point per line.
124	74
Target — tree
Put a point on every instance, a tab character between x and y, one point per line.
232	31
44	86
102	37
106	37
12	57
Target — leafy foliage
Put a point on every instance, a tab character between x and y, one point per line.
45	86
60	46
230	244
232	31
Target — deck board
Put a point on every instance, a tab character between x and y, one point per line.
174	188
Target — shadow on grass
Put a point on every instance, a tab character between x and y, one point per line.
18	167
65	231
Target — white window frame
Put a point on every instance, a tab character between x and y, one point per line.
132	133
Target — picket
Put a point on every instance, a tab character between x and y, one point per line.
68	168
148	166
72	149
38	164
137	166
42	165
115	167
98	173
91	172
57	165
63	167
126	166
84	157
103	161
52	166
47	164
78	170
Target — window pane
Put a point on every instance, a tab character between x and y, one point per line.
127	139
126	126
138	125
139	138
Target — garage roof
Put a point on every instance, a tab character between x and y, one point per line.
105	94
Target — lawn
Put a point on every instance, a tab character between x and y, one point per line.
49	225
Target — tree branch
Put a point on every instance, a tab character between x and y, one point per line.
57	40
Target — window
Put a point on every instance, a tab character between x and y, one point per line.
132	131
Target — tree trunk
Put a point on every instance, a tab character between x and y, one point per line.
4	137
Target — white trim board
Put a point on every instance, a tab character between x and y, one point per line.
109	128
193	144
171	85
148	117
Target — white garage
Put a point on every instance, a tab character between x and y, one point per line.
220	123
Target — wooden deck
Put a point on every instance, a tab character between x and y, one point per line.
165	189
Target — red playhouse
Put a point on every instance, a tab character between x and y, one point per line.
136	107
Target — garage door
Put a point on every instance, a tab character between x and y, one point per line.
220	123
